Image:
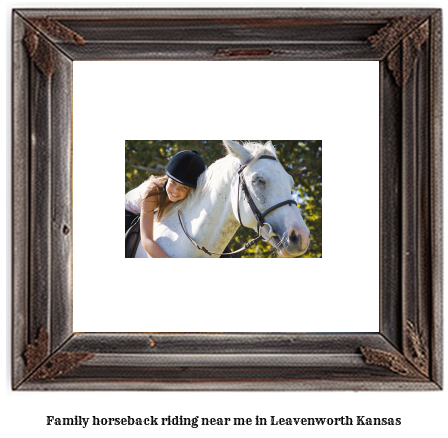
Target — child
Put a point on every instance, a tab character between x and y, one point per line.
159	195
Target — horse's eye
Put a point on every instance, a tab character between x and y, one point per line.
259	181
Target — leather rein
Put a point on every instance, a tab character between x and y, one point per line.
259	216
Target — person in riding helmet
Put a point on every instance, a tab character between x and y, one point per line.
161	195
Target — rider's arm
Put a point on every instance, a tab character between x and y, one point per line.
147	227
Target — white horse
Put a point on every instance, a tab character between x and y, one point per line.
210	215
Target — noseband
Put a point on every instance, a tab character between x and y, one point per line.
259	216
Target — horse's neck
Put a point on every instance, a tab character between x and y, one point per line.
210	220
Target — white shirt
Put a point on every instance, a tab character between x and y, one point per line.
133	198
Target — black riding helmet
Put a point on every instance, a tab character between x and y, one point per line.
185	168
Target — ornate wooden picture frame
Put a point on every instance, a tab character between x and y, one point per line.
406	353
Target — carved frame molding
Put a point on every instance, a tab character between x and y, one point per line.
406	354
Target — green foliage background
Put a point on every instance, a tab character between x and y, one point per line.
302	159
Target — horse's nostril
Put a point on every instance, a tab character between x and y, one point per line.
294	238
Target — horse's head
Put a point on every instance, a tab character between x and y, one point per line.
268	185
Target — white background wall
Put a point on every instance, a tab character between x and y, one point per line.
115	101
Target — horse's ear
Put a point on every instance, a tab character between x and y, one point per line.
270	147
237	150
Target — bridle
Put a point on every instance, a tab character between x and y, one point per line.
263	234
260	217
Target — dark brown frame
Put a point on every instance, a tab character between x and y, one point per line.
406	354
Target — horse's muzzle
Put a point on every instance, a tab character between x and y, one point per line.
294	242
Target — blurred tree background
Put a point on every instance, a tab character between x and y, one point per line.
302	159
